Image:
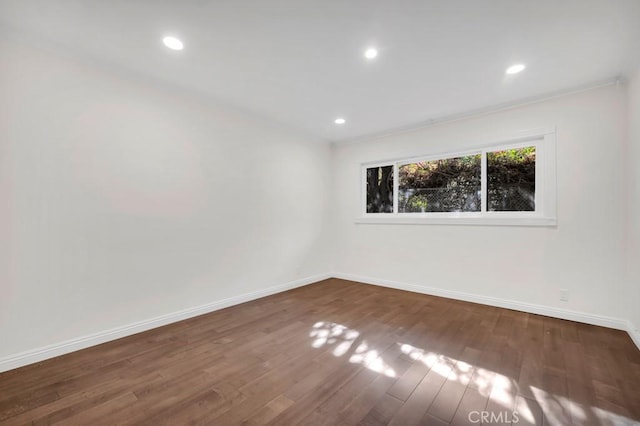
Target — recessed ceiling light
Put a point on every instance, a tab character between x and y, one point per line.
172	43
340	120
371	53
515	69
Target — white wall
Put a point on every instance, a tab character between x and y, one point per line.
122	202
584	253
633	165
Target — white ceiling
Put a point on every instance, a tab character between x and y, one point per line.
300	62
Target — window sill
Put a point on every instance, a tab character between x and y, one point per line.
480	221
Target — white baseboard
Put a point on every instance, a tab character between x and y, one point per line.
50	351
634	332
601	320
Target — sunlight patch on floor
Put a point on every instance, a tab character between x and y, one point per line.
525	413
372	360
332	333
451	368
556	408
500	390
343	338
562	410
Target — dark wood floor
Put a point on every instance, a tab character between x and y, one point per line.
339	352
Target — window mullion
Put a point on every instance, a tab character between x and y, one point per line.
396	185
483	182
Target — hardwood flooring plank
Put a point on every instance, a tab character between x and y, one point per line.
421	398
528	412
406	384
101	413
447	400
270	411
502	400
383	411
343	353
473	402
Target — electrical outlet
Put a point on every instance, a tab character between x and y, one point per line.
564	295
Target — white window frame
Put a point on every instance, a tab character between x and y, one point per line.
545	195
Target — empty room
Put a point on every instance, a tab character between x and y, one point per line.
320	212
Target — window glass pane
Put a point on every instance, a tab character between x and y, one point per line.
380	189
447	185
511	180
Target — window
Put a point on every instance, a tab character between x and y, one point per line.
511	183
380	189
511	180
445	185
